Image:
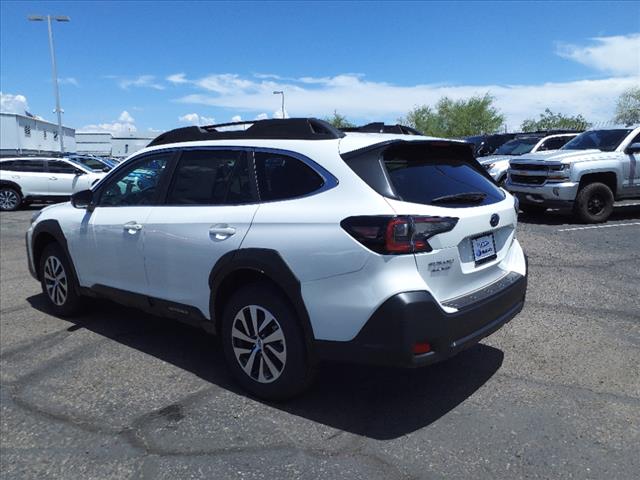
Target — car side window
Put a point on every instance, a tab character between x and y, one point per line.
553	143
211	177
8	165
282	177
29	166
136	185
58	166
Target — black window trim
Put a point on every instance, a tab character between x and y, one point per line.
132	164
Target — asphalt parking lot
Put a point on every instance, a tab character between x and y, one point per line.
121	394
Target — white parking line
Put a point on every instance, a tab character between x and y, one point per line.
599	226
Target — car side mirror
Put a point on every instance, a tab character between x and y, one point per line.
82	199
633	148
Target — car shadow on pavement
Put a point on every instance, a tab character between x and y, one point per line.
377	402
565	217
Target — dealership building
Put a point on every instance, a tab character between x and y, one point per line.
106	145
28	135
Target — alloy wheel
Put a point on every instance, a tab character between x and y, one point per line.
8	199
55	279
258	344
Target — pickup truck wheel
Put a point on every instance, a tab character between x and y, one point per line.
531	209
58	282
594	203
10	199
264	344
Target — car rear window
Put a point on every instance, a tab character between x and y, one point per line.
443	174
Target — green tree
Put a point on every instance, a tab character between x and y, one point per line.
456	118
628	107
339	121
551	121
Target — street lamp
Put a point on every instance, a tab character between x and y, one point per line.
56	91
280	92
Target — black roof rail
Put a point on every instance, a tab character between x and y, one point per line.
380	127
284	129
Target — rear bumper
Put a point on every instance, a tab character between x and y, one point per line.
411	317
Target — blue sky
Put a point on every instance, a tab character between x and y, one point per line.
157	65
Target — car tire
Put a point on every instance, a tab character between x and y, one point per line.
10	199
531	209
272	370
594	203
58	282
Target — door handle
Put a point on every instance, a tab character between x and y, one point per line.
132	227
221	231
53	178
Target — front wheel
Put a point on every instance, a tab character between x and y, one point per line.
264	343
594	203
58	282
10	199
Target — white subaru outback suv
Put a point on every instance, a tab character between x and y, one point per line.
296	243
43	179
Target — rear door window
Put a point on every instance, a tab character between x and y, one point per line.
29	166
281	177
212	177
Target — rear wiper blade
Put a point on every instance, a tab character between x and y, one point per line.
466	197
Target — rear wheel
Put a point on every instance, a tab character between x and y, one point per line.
264	344
58	282
594	203
10	199
530	209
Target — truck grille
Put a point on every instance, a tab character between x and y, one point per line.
529	166
526	180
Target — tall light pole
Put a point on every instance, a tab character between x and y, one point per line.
56	90
280	92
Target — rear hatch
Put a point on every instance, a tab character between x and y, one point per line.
424	180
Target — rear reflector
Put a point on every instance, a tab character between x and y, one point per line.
397	235
420	348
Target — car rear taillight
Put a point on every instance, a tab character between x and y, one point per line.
397	235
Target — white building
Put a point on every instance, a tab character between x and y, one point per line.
104	144
94	143
22	134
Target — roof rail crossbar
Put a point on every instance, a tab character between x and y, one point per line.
283	129
380	127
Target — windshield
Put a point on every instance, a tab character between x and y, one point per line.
517	146
604	140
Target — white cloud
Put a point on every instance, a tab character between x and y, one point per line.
236	118
13	103
356	97
177	78
278	113
262	116
142	81
126	117
196	119
123	126
619	55
68	81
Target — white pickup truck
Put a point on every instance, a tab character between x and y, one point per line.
588	174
